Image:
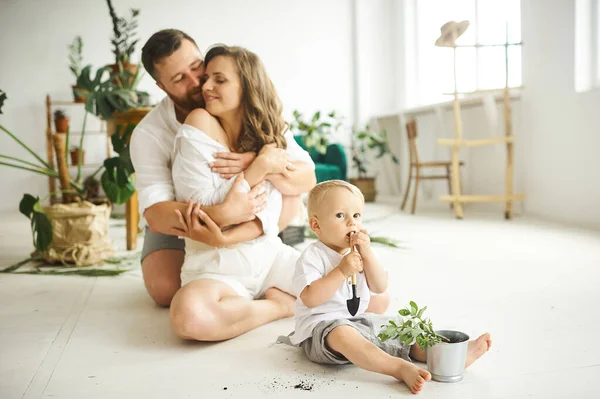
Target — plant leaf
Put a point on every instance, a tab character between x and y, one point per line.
42	231
2	99
118	190
404	312
26	205
413	308
41	228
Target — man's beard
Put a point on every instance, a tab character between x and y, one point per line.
188	102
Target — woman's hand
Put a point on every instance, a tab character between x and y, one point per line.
229	164
241	206
198	226
273	159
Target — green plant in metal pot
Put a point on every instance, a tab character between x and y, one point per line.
411	327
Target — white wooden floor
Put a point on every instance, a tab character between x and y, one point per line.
533	285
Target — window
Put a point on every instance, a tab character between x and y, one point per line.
480	52
587	44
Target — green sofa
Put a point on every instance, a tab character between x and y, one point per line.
331	166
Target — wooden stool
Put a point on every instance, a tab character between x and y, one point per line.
416	165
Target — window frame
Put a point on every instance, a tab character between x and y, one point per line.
415	92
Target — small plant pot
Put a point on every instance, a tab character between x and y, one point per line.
61	125
75	157
132	68
446	360
79	94
366	185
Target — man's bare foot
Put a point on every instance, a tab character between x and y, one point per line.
285	300
477	348
413	376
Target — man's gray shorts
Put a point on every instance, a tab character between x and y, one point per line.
319	352
157	241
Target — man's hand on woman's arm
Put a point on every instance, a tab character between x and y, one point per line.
229	164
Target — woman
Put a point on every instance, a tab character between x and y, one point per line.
243	113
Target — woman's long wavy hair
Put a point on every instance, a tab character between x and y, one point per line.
261	107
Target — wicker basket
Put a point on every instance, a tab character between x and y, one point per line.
79	233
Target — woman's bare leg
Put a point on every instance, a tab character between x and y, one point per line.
210	310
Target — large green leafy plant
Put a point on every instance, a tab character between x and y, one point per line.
317	129
366	140
117	179
410	327
108	93
123	40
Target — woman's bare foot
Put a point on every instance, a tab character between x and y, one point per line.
478	347
285	300
413	376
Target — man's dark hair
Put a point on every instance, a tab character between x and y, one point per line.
160	45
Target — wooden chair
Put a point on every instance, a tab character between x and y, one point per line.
417	165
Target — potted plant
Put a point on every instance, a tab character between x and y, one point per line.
446	350
74	152
61	121
363	141
123	40
107	95
75	231
75	62
316	130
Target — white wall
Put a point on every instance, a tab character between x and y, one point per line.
305	45
557	161
379	67
561	128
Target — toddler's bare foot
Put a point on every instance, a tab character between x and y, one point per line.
477	348
285	300
413	376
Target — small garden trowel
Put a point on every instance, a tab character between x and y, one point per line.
354	302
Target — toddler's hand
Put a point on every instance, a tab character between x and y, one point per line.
350	264
362	240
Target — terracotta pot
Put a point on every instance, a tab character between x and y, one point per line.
61	125
79	98
366	185
126	67
75	157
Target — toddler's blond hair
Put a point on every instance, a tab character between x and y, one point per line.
318	193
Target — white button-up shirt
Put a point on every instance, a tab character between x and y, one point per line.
151	150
